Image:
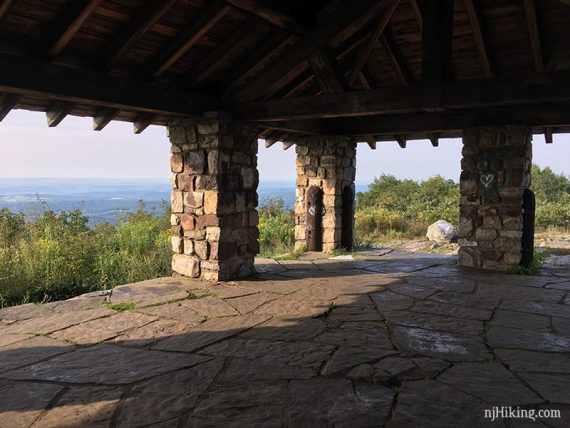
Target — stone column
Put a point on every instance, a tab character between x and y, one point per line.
328	162
495	173
214	198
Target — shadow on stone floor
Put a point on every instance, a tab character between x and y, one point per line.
430	346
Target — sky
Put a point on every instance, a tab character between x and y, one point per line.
29	148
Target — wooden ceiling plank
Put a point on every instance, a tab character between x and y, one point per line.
225	49
142	122
71	26
341	22
7	103
534	34
365	52
475	18
57	112
20	76
5	7
103	117
436	50
138	27
188	38
271	11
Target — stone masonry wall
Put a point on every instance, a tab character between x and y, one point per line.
214	198
328	162
496	168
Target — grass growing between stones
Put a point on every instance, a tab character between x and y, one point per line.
533	268
121	307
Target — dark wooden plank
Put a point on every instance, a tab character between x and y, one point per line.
416	9
371	141
534	34
272	11
185	40
436	50
71	25
7	103
534	88
57	112
5	7
343	21
139	26
396	60
548	135
225	49
372	41
479	35
142	122
434	138
328	72
103	118
20	76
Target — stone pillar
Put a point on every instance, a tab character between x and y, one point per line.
214	198
495	173
328	162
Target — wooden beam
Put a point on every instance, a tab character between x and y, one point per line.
479	35
5	7
271	11
224	50
142	122
371	141
548	115
239	74
269	142
534	34
548	135
434	138
534	88
57	112
401	140
416	9
328	72
344	21
7	103
71	26
138	27
20	76
372	41
103	117
188	38
396	60
436	50
287	145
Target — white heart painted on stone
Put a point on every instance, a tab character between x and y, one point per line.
486	180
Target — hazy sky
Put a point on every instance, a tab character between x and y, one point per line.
29	148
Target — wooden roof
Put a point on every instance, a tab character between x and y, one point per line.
371	68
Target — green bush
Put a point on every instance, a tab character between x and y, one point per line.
276	228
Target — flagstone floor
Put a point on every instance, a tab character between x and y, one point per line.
372	340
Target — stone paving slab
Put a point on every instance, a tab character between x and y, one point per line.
389	340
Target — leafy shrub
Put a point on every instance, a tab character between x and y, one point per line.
276	228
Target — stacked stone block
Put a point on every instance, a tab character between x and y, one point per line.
328	162
495	173
214	198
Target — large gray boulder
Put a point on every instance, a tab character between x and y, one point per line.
441	231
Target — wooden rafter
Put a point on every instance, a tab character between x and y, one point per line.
479	35
336	26
287	145
7	103
371	141
5	7
272	11
401	140
103	117
433	138
327	72
366	50
188	38
61	83
534	88
396	60
534	34
137	28
548	135
417	13
71	26
142	122
225	49
57	112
